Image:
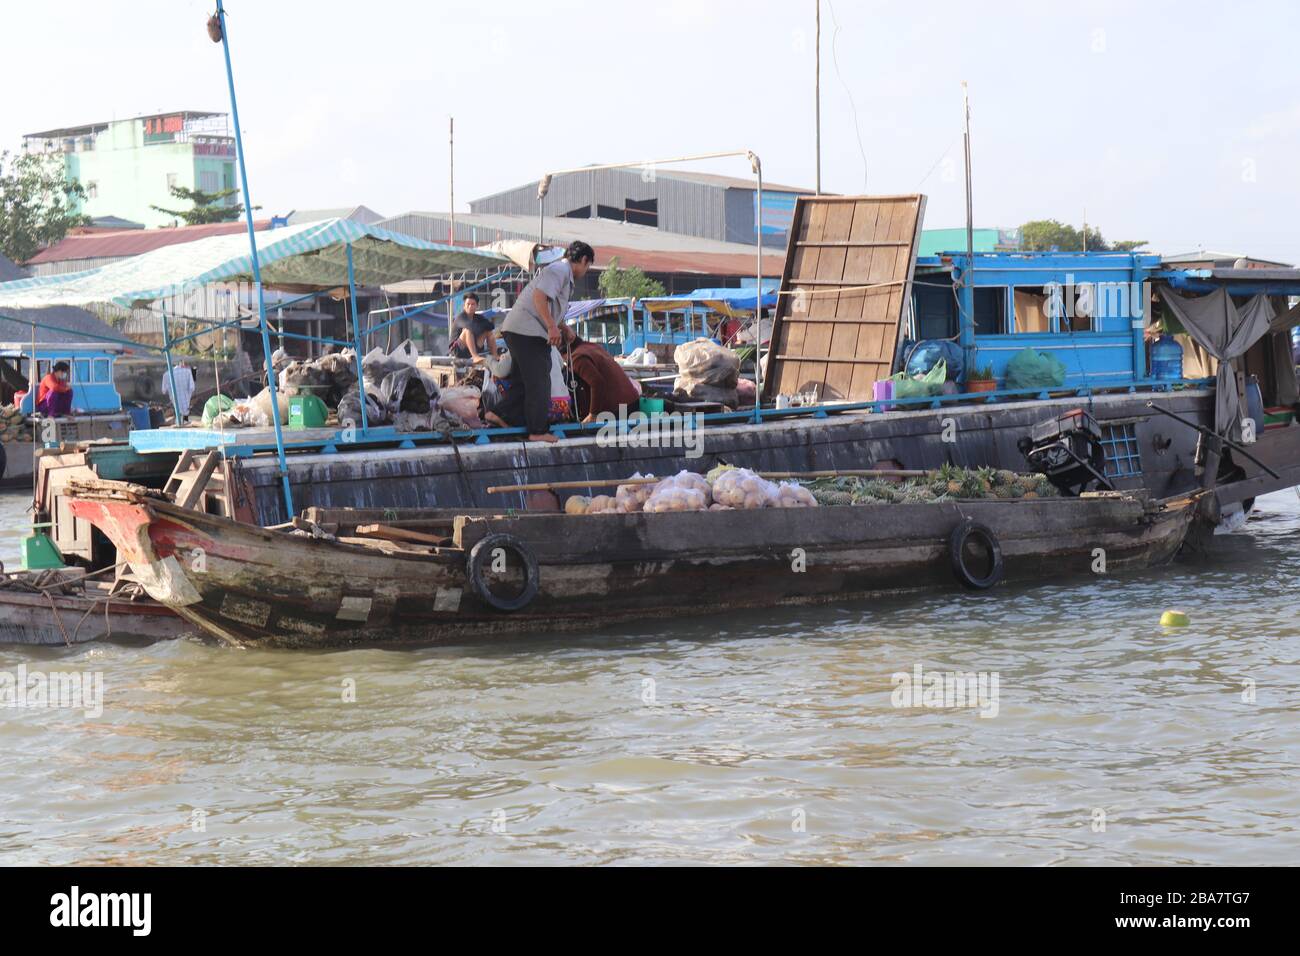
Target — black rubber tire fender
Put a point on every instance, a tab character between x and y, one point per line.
967	529
482	553
144	388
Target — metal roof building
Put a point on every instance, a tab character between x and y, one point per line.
708	206
676	260
76	252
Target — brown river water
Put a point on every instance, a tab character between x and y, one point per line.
766	737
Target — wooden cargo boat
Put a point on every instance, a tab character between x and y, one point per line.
36	608
447	575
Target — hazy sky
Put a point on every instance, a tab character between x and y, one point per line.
1173	122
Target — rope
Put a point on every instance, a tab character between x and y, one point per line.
838	290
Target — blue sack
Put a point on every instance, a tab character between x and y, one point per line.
931	352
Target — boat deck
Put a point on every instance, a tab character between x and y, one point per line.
246	442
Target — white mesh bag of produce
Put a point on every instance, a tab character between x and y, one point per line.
742	488
791	495
672	497
632	498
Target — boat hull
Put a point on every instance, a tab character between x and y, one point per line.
249	585
33	618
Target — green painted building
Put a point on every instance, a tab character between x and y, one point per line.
935	241
127	166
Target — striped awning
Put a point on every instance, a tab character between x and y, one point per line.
311	255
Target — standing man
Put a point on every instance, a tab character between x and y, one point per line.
184	395
533	326
54	394
475	334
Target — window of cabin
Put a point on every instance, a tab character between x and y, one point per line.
103	372
990	310
82	371
933	308
1033	305
1079	308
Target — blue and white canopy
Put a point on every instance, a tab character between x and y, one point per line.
307	256
730	302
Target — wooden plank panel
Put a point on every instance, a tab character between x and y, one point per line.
830	267
845	337
842	339
811	227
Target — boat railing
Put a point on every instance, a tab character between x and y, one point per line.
329	441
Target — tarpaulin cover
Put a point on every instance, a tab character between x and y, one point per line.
729	302
1216	324
313	254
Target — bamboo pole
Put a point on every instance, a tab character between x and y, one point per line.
611	482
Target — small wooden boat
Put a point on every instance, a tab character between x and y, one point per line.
439	576
56	608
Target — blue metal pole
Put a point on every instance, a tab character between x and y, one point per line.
171	372
356	334
257	267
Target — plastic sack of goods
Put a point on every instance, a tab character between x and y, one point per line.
724	489
706	372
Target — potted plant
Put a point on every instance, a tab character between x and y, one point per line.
981	380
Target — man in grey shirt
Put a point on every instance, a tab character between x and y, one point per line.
533	326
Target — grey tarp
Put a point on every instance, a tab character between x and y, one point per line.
1216	324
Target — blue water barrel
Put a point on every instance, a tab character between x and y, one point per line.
1166	358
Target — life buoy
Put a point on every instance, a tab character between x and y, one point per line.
480	557
966	531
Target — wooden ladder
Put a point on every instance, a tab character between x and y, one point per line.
196	482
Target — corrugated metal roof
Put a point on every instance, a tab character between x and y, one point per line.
362	214
133	242
482	228
663	172
63	316
731	182
651	249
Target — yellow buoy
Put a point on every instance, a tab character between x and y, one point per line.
1174	619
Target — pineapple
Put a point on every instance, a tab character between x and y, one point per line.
987	478
833	498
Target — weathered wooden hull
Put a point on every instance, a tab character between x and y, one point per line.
27	617
251	585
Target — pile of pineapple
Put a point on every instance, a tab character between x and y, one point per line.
948	483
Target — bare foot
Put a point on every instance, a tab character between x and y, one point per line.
495	419
548	437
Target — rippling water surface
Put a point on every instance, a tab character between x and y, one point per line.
762	738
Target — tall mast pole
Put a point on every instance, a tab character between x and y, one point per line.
817	91
257	267
451	166
966	333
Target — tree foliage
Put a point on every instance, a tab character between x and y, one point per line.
1044	235
206	207
38	203
629	283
